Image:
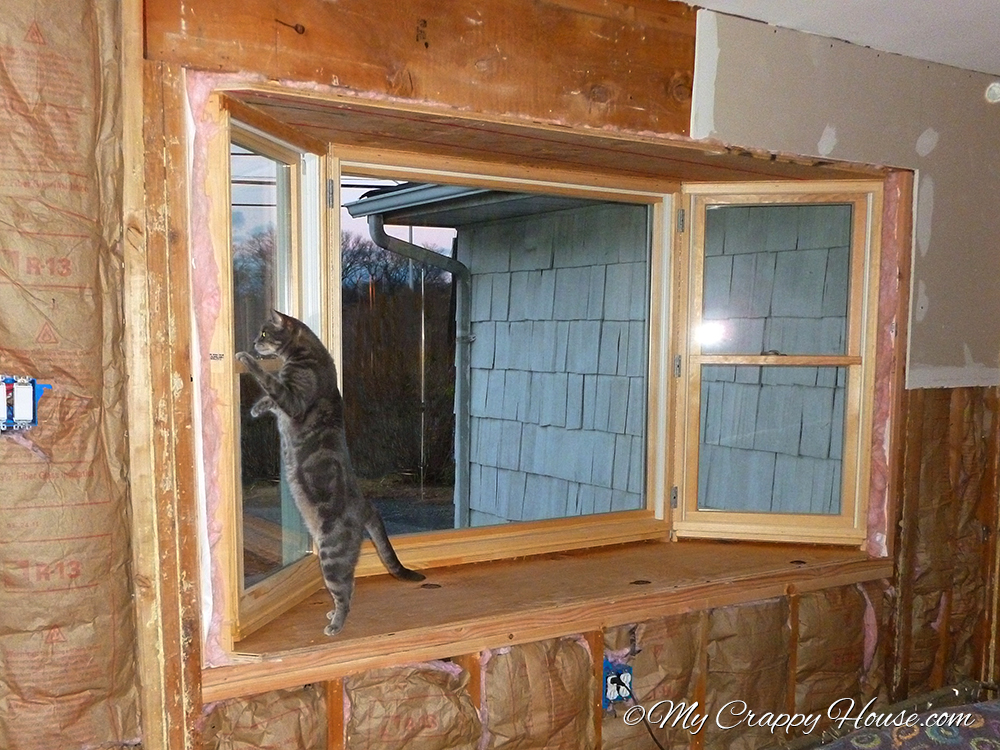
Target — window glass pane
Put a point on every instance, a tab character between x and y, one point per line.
559	322
776	279
273	533
399	374
771	439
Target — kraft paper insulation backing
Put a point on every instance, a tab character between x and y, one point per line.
419	707
539	696
280	720
67	634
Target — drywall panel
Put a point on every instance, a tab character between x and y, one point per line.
759	86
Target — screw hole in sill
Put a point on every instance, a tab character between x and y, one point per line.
640	582
797	562
430	585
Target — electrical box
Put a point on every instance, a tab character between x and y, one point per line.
21	395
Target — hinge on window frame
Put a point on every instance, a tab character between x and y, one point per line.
677	365
674	495
331	189
680	220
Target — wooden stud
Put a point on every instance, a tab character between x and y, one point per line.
901	642
595	640
897	233
335	714
989	635
701	686
160	409
473	666
793	648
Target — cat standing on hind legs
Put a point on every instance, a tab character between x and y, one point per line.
305	399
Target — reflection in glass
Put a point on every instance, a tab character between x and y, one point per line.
399	382
558	355
273	533
771	439
776	279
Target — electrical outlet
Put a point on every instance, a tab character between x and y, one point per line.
614	693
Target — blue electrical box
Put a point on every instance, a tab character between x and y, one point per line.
21	395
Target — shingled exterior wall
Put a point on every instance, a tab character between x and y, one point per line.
559	309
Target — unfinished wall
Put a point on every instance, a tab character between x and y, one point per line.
794	654
558	402
66	627
758	86
947	536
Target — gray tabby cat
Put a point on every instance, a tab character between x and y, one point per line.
307	403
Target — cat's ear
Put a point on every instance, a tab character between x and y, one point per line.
277	318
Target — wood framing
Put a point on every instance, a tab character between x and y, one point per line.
547	61
161	442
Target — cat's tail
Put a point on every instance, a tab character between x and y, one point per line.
376	530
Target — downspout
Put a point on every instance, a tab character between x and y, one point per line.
463	340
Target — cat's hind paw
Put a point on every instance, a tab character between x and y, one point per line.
334	627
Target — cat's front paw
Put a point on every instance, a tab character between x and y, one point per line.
247	360
263	406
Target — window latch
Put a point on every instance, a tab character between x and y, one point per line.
677	365
674	494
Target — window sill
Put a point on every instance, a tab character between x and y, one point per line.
472	607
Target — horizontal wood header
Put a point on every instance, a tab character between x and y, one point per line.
594	63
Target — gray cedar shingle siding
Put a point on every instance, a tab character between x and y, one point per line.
559	362
772	437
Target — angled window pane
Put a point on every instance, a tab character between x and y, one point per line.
776	279
273	533
771	439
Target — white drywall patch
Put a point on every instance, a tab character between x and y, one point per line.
706	66
925	212
969	361
927	141
827	141
923	302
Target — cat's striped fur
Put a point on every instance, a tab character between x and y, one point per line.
317	465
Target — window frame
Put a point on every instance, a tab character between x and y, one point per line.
246	609
849	527
524	538
666	338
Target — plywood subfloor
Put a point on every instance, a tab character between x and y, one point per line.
464	609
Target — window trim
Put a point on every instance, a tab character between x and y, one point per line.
850	526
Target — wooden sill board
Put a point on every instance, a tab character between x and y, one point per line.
488	605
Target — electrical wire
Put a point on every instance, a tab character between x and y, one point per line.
617	680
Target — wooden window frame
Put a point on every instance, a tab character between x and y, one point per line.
249	610
480	544
668	304
246	609
849	527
